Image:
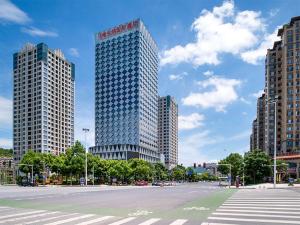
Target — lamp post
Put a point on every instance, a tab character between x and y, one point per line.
85	130
274	101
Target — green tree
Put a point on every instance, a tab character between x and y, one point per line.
6	152
179	173
32	158
257	166
160	172
236	162
141	169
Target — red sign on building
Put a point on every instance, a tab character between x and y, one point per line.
118	29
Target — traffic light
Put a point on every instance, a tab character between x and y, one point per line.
9	163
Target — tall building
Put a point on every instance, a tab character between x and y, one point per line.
274	89
168	130
282	85
260	120
253	139
126	93
43	103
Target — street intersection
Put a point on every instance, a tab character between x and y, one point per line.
186	204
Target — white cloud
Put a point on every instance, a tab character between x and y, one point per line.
191	121
6	143
222	30
191	147
208	73
273	12
33	31
242	99
241	135
11	13
201	146
178	76
6	110
244	113
254	56
74	52
175	77
222	92
257	94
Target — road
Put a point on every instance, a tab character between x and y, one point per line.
188	204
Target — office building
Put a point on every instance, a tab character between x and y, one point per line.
168	130
126	94
43	104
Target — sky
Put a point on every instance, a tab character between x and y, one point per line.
211	60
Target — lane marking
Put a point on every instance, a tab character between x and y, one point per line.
263	200
95	220
46	219
5	209
257	211
256	215
206	223
123	221
249	204
27	217
22	214
178	222
254	207
70	219
255	220
150	221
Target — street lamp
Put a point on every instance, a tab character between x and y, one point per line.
85	130
274	101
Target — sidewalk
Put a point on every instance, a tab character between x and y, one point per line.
268	186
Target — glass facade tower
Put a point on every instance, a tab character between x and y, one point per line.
126	93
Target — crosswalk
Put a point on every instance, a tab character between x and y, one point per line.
254	206
18	216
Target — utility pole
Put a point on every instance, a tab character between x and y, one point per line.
85	130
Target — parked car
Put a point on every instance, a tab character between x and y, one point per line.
141	183
158	183
27	182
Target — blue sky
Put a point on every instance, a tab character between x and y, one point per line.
211	60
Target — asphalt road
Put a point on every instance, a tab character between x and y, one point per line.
176	205
187	204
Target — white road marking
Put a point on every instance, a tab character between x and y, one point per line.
178	222
46	219
123	221
287	199
206	223
27	217
257	211
21	214
4	209
150	221
250	204
255	215
254	207
255	220
71	219
95	220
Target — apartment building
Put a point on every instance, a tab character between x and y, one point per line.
168	130
43	103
